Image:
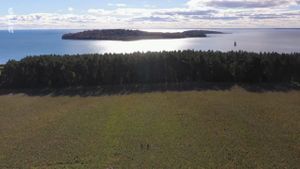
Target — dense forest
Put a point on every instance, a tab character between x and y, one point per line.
150	68
123	34
1	68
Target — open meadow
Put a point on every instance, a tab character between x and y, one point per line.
208	129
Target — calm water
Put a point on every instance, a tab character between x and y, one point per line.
35	42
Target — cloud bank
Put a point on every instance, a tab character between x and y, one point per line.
195	14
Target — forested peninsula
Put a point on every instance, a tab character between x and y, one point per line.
55	71
129	35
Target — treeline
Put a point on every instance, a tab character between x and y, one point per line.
1	68
150	68
123	34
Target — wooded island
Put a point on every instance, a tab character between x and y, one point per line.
128	35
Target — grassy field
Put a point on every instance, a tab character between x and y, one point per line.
225	129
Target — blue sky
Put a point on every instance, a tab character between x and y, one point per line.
30	6
27	14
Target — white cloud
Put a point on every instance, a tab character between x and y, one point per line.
240	3
197	13
70	9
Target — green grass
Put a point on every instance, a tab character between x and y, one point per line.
206	129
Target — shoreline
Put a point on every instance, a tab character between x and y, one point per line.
132	35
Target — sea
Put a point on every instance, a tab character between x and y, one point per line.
22	43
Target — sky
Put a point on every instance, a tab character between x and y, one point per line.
148	14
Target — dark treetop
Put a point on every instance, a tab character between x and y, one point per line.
122	34
150	68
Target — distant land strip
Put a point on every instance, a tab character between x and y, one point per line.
129	35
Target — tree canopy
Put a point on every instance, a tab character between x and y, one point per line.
150	68
123	34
